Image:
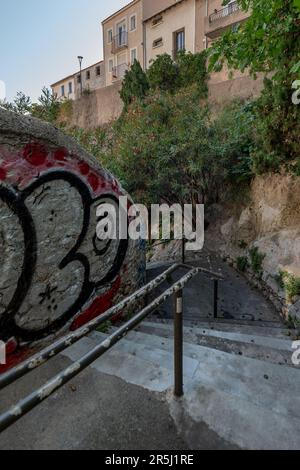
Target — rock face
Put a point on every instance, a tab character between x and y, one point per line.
55	273
268	219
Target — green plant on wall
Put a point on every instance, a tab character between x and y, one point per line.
242	263
289	283
256	260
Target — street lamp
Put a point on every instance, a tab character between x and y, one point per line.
80	58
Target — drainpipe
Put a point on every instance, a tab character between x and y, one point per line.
206	14
144	46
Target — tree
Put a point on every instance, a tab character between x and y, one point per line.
20	105
269	43
47	108
135	84
193	69
163	74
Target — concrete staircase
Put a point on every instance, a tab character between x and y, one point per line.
239	379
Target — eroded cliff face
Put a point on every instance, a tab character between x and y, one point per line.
266	224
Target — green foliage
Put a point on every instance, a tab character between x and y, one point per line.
242	244
256	259
135	84
268	42
233	139
20	105
175	149
242	263
47	108
163	74
290	284
193	70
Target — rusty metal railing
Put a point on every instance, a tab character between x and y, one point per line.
25	405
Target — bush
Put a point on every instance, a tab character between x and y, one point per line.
290	284
256	259
135	84
163	74
242	263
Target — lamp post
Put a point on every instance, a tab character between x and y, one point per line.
80	58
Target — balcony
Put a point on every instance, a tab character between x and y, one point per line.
119	42
220	20
118	71
226	11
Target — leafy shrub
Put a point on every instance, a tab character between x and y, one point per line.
242	263
256	259
163	74
135	84
290	283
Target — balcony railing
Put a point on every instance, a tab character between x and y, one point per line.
118	71
226	11
119	42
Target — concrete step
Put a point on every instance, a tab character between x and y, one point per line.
249	328
238	421
283	344
263	384
137	364
273	350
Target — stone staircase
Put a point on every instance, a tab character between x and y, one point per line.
239	379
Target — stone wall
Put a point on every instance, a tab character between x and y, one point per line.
55	273
102	106
266	218
97	108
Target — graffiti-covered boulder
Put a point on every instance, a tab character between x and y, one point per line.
55	273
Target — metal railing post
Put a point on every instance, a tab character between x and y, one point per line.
178	344
216	297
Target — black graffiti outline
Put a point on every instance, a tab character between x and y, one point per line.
88	287
16	205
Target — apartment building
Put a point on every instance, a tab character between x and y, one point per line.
169	26
92	78
212	19
64	88
123	40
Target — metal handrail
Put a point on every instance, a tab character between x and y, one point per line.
63	343
20	409
226	11
119	41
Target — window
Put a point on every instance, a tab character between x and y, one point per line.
179	39
133	55
62	90
88	75
78	78
157	43
122	35
157	20
109	36
133	23
98	71
110	65
70	88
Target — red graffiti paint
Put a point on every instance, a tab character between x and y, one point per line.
2	174
60	155
98	307
93	181
35	153
84	168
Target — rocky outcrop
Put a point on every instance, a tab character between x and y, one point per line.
260	234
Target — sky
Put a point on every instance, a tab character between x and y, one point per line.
41	39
